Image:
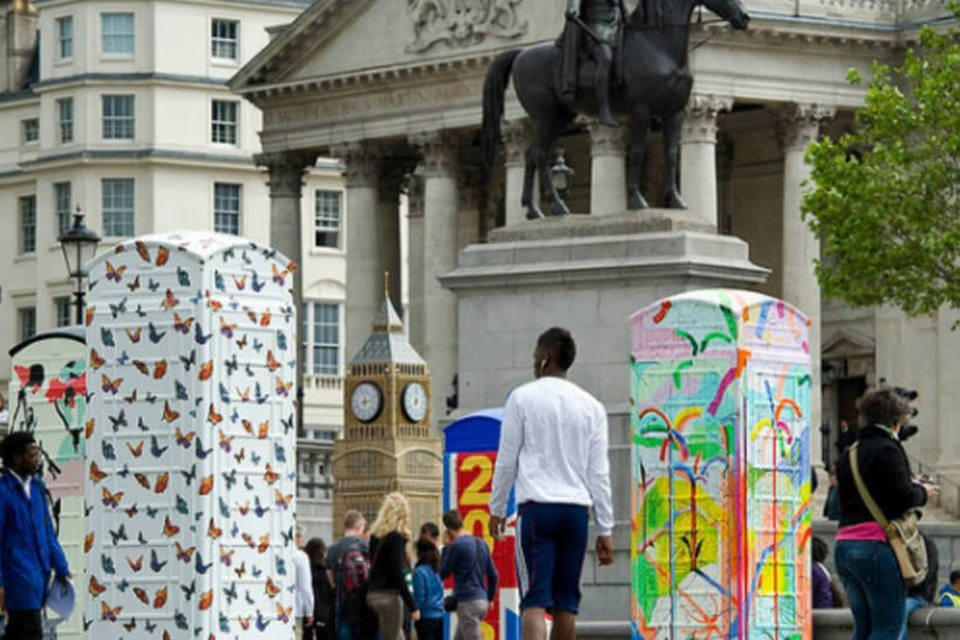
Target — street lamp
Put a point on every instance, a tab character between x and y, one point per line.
560	175
79	245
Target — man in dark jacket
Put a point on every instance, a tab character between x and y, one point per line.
467	559
29	549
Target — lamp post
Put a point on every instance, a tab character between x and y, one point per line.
560	175
79	244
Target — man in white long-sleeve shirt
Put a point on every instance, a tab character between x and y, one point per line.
553	445
303	602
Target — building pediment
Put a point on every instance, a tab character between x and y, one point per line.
334	38
847	343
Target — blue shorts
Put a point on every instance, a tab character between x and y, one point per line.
551	544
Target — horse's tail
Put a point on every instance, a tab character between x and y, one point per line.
494	91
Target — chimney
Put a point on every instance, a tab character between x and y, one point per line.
18	42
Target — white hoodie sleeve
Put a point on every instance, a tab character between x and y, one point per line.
598	476
508	456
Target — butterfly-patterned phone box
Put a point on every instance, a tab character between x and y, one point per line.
190	461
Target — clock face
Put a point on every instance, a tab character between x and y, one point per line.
414	401
366	401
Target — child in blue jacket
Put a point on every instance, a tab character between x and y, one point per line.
428	591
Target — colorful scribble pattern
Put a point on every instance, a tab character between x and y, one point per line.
720	397
190	441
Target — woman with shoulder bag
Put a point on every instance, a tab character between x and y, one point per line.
864	558
387	589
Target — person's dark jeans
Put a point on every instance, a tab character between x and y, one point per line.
24	625
429	628
344	631
871	577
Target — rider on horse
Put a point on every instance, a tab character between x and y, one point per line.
603	20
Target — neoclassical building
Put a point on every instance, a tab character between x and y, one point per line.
393	89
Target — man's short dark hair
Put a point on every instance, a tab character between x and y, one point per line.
351	519
430	529
452	520
14	445
883	406
954	576
560	343
819	549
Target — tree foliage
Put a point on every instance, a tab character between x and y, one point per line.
885	199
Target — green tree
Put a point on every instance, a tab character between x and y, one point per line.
885	199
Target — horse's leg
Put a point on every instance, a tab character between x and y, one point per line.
671	152
636	157
529	172
546	138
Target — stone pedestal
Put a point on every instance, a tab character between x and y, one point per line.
587	274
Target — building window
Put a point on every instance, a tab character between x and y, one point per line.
116	30
65	37
117	207
226	208
327	219
223	42
26	322
65	119
31	130
321	329
62	201
28	224
118	118
62	308
224	121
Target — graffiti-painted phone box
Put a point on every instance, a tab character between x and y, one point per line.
48	395
720	396
190	440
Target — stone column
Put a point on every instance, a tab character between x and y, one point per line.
797	126
517	136
415	321
440	224
608	169
286	171
364	273
698	165
389	182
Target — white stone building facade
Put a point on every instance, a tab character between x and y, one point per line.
122	110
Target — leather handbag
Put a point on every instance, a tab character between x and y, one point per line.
903	533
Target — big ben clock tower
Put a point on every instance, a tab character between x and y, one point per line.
388	442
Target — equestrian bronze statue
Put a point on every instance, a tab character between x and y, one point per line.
651	79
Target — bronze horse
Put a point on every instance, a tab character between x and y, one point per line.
656	83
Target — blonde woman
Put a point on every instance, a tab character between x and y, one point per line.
388	591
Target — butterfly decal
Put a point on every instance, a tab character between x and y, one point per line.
214	418
162	481
135	565
111	386
206	485
154	335
115	273
279	277
169	415
160	370
206	370
169	300
163	254
281	500
185	554
182	325
96	475
109	613
169	529
94	587
206	599
133	335
88	315
270	475
283	388
270	588
272	363
136	451
185	440
160	598
111	499
142	250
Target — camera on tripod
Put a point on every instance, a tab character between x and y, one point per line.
907	431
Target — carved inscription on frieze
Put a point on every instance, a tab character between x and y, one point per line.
462	23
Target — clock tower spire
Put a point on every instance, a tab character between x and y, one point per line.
388	441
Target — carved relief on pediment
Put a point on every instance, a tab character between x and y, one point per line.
462	23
